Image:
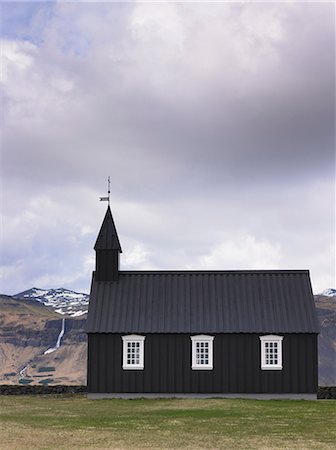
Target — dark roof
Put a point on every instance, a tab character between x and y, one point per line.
203	302
108	237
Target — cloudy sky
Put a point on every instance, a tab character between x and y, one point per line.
215	122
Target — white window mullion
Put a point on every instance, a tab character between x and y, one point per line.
133	352
202	352
271	352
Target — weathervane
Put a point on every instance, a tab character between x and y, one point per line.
107	199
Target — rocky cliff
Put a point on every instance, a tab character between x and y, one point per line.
326	312
32	349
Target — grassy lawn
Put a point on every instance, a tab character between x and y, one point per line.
72	422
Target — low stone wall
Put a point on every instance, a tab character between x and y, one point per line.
324	392
8	389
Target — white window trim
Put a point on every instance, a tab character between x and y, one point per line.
271	338
133	338
201	338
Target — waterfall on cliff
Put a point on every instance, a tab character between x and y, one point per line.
58	342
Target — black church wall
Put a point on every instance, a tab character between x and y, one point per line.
236	366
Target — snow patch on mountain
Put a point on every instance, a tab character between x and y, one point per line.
330	292
61	300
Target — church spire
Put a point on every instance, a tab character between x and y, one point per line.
107	249
108	237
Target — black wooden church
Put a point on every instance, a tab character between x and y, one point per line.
215	333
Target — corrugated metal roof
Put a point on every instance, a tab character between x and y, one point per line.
108	237
204	302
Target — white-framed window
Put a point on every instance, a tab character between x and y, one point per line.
271	352
133	352
202	352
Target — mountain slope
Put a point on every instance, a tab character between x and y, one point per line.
27	330
330	292
61	300
325	307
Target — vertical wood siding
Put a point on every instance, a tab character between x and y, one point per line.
236	366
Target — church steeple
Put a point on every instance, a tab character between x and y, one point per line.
107	249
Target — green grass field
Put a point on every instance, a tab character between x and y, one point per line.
72	422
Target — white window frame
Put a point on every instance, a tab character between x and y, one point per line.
134	338
194	341
268	339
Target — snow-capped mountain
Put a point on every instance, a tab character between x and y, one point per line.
330	292
63	301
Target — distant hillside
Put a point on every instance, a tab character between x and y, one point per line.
43	340
29	332
326	312
330	292
61	300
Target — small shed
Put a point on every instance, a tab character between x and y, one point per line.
236	333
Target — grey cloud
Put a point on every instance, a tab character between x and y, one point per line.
204	139
278	122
